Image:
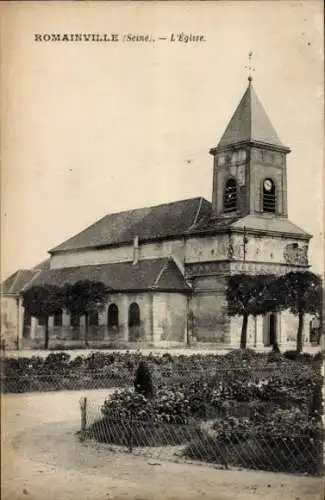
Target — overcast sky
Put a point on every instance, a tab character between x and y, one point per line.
93	128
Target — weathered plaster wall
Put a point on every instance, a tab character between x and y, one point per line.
9	321
92	257
209	248
254	331
270	249
208	304
258	333
169	318
118	254
289	327
258	249
143	333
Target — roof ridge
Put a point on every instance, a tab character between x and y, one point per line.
37	273
197	213
161	272
15	281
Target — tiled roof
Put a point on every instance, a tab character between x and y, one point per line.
17	281
253	222
160	274
211	224
161	221
250	123
270	224
45	264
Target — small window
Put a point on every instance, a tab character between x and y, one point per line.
57	318
269	204
230	196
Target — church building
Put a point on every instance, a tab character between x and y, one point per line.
165	266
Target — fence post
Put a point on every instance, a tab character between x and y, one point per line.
83	407
130	437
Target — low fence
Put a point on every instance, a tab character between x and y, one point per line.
259	412
208	441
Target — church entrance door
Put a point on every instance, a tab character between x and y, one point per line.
270	329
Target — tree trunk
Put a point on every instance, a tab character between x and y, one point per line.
300	331
243	336
86	329
46	343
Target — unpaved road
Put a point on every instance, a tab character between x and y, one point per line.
42	459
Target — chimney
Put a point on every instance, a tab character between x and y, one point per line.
135	250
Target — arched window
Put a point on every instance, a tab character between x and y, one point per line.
134	315
112	316
268	196
57	318
230	196
93	318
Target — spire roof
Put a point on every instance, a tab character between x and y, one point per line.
250	123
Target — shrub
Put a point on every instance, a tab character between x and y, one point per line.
275	348
319	356
169	406
284	440
143	381
240	354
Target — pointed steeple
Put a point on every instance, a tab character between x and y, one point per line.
250	123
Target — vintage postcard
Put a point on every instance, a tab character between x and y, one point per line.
162	250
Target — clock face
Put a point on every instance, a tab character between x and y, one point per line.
268	185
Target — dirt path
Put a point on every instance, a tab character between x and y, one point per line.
43	459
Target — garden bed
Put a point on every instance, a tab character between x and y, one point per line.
241	394
105	370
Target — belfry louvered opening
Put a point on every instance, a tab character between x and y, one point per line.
269	196
230	196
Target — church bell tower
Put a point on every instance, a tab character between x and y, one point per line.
250	171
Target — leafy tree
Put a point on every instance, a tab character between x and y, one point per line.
84	298
301	293
248	296
42	302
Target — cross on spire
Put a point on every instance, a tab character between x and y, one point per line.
250	67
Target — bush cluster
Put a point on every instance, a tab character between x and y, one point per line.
262	405
266	416
104	370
